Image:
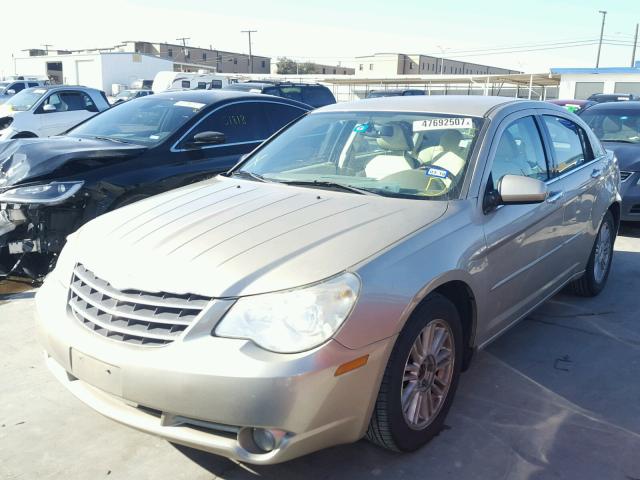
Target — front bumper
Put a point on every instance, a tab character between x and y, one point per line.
630	191
208	393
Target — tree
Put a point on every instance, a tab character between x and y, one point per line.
288	66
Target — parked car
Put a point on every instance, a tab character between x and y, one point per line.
612	97
399	92
126	95
47	111
574	106
312	94
10	87
617	125
50	187
335	283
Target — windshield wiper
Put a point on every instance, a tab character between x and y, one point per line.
117	140
247	174
328	184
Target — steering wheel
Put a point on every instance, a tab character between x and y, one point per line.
436	185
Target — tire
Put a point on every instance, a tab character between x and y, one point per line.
594	279
390	427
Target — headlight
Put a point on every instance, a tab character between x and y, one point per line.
5	122
49	194
294	320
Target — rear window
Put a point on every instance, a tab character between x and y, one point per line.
317	96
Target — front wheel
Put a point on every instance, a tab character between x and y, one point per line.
595	276
420	379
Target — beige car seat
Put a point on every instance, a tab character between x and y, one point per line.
448	154
394	160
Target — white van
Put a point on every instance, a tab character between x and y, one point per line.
186	80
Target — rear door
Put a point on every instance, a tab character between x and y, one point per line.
523	241
576	176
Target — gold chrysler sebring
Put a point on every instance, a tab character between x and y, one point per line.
335	283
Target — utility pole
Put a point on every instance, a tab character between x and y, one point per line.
442	51
635	43
604	16
184	45
46	47
249	32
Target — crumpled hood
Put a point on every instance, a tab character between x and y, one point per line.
628	155
226	237
24	159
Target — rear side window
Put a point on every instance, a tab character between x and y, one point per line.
569	144
240	122
33	84
279	115
317	96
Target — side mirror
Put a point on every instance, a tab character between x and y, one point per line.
11	91
49	108
206	138
519	190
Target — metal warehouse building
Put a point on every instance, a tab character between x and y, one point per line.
580	83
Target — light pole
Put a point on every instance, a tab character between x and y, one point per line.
635	43
249	32
442	51
604	16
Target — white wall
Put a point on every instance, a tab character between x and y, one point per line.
124	68
568	81
97	70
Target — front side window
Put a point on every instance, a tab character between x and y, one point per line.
520	152
17	87
569	143
405	155
147	121
614	125
240	122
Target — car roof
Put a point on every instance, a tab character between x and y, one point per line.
473	105
628	105
209	97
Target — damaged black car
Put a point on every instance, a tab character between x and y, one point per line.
49	187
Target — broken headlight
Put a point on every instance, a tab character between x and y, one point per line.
48	194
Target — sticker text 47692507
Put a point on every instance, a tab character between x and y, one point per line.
442	123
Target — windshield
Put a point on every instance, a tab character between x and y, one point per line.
407	155
125	94
24	100
614	125
147	121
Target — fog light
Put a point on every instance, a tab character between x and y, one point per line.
265	440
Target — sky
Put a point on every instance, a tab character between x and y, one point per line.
492	32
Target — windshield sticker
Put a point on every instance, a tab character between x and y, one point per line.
436	172
361	127
39	91
442	123
194	105
154	137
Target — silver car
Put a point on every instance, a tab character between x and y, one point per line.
334	284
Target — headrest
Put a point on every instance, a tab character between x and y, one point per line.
397	141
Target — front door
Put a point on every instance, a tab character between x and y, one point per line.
523	241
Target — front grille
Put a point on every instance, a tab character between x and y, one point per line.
624	176
131	316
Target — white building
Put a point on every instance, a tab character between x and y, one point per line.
99	70
580	83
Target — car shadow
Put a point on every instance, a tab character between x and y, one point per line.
555	397
630	229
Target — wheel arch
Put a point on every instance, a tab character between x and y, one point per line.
460	293
24	134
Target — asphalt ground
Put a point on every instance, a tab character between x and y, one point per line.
556	397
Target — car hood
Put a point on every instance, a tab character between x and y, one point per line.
628	155
31	158
226	237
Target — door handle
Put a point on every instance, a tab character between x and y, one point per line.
596	172
555	196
